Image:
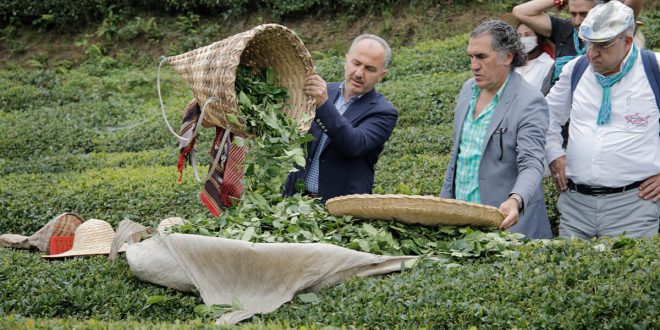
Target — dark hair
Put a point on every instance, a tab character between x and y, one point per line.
505	40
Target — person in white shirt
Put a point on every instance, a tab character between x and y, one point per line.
609	177
539	63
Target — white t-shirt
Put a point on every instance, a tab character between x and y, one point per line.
536	70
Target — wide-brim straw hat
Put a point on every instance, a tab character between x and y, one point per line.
92	237
210	71
425	210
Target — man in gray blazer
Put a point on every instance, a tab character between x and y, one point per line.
500	123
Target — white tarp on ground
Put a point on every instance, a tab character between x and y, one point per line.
260	276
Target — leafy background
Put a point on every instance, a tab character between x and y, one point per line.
82	132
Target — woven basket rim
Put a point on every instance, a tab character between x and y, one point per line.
210	71
372	206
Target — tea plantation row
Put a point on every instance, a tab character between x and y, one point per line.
90	139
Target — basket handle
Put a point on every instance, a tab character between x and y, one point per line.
194	133
164	59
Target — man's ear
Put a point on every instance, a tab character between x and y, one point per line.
508	58
382	76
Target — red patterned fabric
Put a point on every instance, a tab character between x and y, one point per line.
223	187
190	116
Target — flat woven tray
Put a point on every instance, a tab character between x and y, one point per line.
425	210
210	71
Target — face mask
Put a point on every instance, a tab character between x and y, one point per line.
529	43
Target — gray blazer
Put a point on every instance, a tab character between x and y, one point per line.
512	157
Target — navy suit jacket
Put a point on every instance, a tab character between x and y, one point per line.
354	142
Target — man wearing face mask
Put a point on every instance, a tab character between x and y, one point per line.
563	32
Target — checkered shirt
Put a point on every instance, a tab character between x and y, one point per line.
312	177
472	141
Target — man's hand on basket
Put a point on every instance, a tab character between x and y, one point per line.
510	210
316	87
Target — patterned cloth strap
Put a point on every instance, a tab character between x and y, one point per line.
186	145
223	187
607	82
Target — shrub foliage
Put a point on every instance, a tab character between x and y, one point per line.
89	139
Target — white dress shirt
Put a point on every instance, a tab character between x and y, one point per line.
536	70
613	155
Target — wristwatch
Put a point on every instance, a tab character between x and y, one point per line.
518	199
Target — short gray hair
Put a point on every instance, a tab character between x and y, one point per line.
504	40
381	41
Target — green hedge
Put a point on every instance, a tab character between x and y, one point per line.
72	14
82	162
558	285
146	194
83	288
606	283
53	112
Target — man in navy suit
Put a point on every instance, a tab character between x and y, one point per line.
352	123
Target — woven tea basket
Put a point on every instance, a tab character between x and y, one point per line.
211	71
425	210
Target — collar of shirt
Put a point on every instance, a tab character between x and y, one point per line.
341	104
476	91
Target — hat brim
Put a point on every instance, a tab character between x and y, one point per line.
83	252
511	20
425	210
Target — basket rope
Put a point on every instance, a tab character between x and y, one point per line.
163	59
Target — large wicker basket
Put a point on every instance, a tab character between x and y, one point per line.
425	210
211	71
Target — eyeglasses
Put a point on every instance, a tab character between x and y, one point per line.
600	46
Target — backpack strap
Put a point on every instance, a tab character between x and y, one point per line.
578	71
652	72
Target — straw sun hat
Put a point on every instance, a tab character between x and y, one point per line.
210	71
425	210
92	237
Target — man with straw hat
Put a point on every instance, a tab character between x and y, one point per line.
609	177
352	123
500	123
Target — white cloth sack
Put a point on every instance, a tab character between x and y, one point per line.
261	276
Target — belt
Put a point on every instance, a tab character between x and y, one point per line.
311	194
594	190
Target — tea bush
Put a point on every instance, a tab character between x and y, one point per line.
88	137
84	288
82	162
142	193
606	283
565	285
